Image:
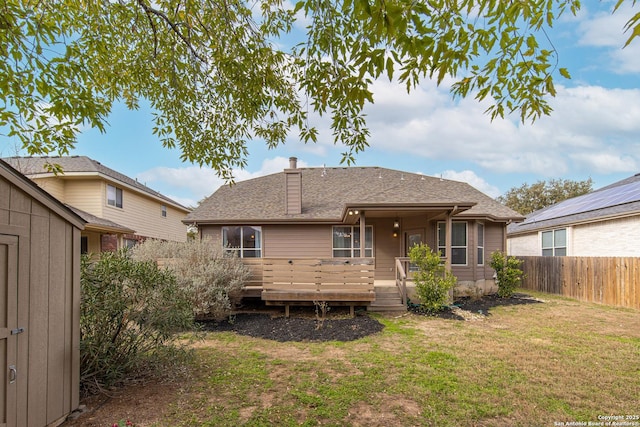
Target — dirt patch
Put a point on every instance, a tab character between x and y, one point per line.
137	400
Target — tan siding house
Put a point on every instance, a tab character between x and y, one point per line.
119	210
596	224
315	217
39	304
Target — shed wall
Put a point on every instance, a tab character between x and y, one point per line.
48	308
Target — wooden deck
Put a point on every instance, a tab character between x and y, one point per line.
287	282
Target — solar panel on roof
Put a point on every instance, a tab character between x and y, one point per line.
618	195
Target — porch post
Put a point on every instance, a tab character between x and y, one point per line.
362	234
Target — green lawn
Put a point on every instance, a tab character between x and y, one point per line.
527	365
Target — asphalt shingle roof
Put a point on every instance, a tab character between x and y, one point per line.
98	222
327	191
78	164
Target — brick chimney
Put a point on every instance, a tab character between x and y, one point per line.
293	188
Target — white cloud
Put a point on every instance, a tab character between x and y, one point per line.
202	182
474	180
606	30
588	119
603	162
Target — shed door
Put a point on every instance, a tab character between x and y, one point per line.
8	328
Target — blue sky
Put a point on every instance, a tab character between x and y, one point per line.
593	132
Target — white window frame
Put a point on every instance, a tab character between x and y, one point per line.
554	247
242	251
368	249
442	225
480	243
163	209
112	196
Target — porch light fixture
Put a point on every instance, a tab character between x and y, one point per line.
396	228
356	212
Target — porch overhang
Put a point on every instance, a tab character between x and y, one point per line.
351	213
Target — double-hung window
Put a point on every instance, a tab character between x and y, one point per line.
554	242
346	241
458	241
114	196
243	241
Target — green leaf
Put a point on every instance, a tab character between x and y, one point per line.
389	68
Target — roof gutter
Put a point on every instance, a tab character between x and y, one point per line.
284	221
350	209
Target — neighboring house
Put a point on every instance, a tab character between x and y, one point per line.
604	222
321	213
119	211
39	304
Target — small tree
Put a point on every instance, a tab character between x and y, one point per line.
130	311
433	280
508	273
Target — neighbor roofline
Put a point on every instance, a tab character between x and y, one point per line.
98	227
109	178
573	223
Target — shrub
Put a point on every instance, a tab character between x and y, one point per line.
211	279
508	273
130	312
433	280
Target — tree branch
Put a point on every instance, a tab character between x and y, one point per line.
174	27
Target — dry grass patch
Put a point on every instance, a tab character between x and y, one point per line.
527	365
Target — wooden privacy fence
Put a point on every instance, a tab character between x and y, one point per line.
605	280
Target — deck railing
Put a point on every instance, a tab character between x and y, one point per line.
335	279
401	278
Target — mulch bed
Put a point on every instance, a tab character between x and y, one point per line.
303	325
294	328
463	306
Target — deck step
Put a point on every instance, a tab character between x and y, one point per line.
387	299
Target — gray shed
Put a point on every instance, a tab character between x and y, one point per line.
39	304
